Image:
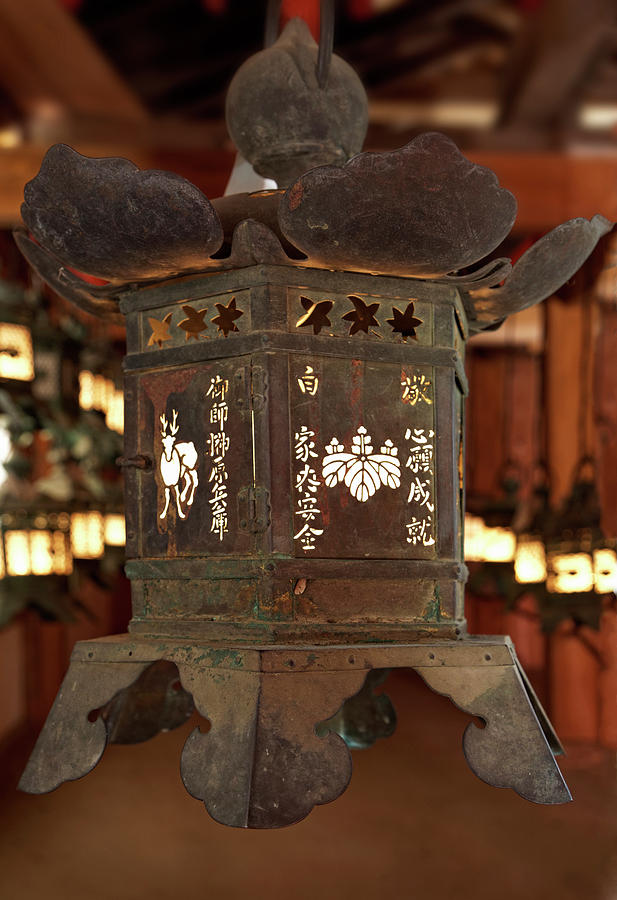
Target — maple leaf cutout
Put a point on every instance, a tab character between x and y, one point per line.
405	323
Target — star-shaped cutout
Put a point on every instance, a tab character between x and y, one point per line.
160	330
226	316
405	323
316	314
194	324
362	317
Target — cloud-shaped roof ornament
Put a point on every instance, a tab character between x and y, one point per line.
108	218
540	272
423	211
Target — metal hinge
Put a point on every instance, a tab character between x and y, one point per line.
251	386
253	509
135	462
259	387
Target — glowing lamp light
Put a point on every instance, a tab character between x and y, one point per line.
37	552
87	535
17	553
530	562
115	530
114	418
570	573
484	544
605	571
99	393
16	356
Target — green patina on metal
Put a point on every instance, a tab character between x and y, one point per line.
432	612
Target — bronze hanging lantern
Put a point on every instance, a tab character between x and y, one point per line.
294	390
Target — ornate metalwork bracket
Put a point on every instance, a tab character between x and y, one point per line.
274	749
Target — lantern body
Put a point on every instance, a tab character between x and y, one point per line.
294	495
293	447
298	486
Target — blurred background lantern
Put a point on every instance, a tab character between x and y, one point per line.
60	495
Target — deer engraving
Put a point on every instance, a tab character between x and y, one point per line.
178	462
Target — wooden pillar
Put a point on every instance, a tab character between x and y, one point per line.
574	675
524	627
608	680
574	667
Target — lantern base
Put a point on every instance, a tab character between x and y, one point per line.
274	748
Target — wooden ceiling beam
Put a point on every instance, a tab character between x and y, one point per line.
47	58
554	60
551	187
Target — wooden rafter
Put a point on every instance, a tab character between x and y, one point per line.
47	58
554	59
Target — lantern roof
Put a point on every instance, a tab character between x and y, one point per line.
423	211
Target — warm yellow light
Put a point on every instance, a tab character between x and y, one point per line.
500	545
2	566
61	553
37	552
474	528
17	549
570	573
41	560
87	535
115	530
484	544
11	136
99	393
115	412
530	562
16	357
86	390
605	571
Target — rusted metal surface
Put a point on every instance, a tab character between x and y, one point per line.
274	748
315	224
541	271
544	721
293	444
283	121
367	382
70	744
273	635
108	218
155	702
365	717
96	301
434	211
510	751
262	765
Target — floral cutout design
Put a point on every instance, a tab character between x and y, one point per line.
362	317
405	323
160	330
225	320
316	314
363	471
194	324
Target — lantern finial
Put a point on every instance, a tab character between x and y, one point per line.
283	121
